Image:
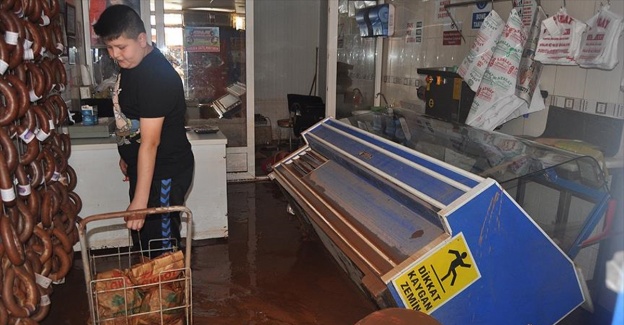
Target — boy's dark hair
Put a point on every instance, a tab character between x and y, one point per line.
118	20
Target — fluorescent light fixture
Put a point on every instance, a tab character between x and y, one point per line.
239	22
212	9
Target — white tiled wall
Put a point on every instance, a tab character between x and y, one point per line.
591	84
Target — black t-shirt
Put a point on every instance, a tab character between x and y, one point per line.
154	89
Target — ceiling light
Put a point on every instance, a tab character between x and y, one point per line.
212	9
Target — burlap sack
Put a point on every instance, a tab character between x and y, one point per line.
115	294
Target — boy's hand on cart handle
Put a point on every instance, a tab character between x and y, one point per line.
135	221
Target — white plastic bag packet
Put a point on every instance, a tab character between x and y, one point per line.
599	45
474	64
495	99
560	39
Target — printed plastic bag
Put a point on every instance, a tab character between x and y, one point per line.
476	62
560	40
495	99
599	45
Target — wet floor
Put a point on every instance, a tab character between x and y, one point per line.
266	272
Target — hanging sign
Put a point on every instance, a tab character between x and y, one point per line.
438	277
202	39
479	12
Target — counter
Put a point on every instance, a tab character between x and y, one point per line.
102	188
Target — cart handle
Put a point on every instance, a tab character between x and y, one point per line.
149	211
82	226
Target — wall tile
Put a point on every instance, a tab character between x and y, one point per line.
428	59
535	124
570	81
394	56
514	127
552	7
604	85
548	79
582	9
428	11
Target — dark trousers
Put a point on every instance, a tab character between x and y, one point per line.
162	231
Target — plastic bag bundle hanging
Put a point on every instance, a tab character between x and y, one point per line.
599	45
476	62
495	99
560	39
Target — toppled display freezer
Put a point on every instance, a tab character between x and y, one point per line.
414	231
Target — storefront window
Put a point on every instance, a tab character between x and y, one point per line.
207	48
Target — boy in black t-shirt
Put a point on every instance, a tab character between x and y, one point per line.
149	108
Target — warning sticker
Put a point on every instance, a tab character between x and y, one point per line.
439	277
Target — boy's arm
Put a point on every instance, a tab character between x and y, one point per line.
151	129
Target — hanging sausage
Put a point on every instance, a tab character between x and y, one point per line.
39	207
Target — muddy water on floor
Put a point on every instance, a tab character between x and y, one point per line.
266	272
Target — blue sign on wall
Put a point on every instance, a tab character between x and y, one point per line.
477	19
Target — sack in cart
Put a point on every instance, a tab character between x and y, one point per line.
116	295
163	287
166	267
138	290
167	300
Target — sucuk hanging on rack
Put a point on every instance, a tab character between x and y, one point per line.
39	205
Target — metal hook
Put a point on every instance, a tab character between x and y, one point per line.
455	24
564	4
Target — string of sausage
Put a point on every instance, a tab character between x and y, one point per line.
39	206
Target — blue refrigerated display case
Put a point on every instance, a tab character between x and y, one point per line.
433	219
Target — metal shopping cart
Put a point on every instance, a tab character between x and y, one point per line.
119	290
